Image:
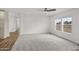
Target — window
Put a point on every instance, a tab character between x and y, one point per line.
64	24
58	25
67	24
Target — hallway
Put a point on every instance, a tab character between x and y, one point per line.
7	43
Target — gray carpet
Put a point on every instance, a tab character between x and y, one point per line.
42	42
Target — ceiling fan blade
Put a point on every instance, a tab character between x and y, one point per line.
49	9
52	10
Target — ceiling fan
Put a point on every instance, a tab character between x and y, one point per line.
48	10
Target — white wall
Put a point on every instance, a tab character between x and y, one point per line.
12	16
29	23
3	25
74	13
32	23
6	25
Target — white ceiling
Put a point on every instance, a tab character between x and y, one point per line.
35	10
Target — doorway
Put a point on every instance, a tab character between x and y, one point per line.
17	20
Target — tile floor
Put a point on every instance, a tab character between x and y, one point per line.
42	42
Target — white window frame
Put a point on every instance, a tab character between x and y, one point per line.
62	30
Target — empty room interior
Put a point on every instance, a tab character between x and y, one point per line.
39	29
